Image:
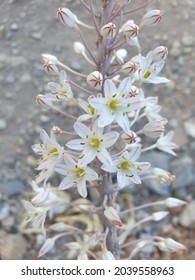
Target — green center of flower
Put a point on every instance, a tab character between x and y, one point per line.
113	104
64	92
95	142
36	214
79	172
125	165
53	151
147	74
92	110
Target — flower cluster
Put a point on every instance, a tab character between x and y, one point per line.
104	155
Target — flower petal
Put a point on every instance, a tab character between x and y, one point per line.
81	129
109	88
88	156
91	175
76	144
125	86
82	189
104	156
110	138
105	118
66	183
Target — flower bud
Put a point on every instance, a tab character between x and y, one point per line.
95	79
169	245
151	18
160	53
111	214
130	29
134	91
56	131
49	57
158	216
107	255
129	67
109	30
129	137
66	17
120	55
73	246
51	68
172	202
43	101
47	246
79	47
82	256
163	175
154	128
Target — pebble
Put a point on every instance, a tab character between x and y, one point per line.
187	217
4	211
175	51
187	40
190	128
3	124
12	187
14	246
36	35
183	169
10	78
44	118
14	26
31	161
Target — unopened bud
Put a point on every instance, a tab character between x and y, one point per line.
172	202
120	55
160	53
43	101
79	47
158	216
56	131
169	245
151	18
129	137
51	68
130	29
109	30
155	128
49	57
107	255
129	67
82	256
134	91
111	214
66	17
95	79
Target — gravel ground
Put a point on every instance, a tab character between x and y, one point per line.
30	28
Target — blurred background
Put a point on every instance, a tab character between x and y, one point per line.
30	28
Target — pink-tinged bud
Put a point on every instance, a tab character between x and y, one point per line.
130	29
79	47
151	18
111	214
129	137
129	67
172	202
95	79
43	101
159	53
49	57
155	128
134	91
169	245
163	175
109	30
56	131
51	68
66	17
158	216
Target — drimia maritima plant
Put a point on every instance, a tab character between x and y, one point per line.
103	159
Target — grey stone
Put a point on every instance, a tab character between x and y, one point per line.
14	26
3	124
12	187
175	51
183	169
10	78
190	128
187	217
36	35
4	210
187	40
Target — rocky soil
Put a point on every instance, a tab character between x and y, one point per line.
30	28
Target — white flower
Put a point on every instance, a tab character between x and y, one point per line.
90	111
108	31
92	143
172	202
67	17
169	245
37	215
95	79
42	100
75	174
149	70
115	105
155	128
158	216
127	168
163	175
61	90
152	109
111	214
151	18
50	151
164	143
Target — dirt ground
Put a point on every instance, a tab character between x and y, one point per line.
30	28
